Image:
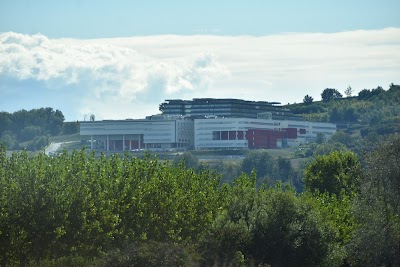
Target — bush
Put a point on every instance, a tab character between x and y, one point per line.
152	254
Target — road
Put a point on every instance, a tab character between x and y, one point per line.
52	148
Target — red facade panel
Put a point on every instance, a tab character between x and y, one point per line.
291	132
264	138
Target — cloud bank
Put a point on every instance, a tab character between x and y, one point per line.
128	77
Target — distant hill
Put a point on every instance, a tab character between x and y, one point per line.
31	129
375	111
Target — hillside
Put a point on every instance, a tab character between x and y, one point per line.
375	111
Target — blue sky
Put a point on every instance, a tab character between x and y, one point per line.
123	18
120	59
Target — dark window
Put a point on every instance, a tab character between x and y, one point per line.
216	135
224	135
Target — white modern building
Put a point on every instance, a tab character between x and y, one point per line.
243	133
207	123
158	133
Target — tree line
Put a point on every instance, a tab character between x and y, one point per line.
31	129
78	210
372	111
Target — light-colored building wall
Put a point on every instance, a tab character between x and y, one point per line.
140	134
205	128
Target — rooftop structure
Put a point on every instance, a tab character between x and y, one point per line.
226	107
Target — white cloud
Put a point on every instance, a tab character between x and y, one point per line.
129	77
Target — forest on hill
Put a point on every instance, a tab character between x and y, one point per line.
372	111
31	129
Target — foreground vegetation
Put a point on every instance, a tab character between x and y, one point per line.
81	210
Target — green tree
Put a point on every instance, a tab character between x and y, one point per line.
333	173
30	132
9	140
70	127
335	115
330	94
349	91
321	138
327	148
187	159
283	169
260	161
308	99
342	138
376	242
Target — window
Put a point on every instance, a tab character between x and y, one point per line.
216	135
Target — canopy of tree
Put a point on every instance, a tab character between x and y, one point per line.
329	94
30	129
372	112
78	210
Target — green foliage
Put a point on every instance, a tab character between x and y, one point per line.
30	132
70	127
9	140
267	227
82	205
260	161
330	94
377	209
375	111
344	138
333	173
366	94
152	254
349	91
189	160
321	138
80	209
32	126
327	148
308	99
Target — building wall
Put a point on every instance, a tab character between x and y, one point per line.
211	133
227	132
230	133
121	135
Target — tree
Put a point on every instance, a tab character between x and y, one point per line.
261	162
70	127
189	160
268	227
350	115
92	117
349	91
308	99
335	115
321	138
333	173
376	242
283	169
330	94
342	138
161	107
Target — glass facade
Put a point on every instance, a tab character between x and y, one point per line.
233	108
